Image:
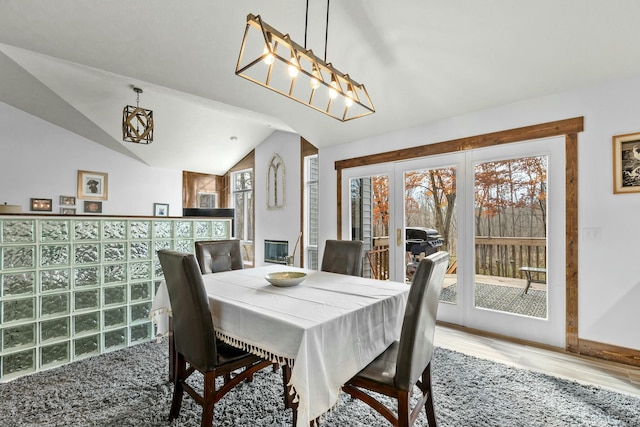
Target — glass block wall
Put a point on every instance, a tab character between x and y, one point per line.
74	287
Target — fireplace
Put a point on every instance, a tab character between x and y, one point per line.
276	251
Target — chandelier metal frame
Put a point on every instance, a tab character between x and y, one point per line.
282	65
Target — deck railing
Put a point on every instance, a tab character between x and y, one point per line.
503	256
495	256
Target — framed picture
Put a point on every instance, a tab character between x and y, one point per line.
161	209
626	163
42	205
67	200
67	211
92	185
92	207
208	200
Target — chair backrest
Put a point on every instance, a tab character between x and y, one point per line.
343	256
215	256
193	331
418	326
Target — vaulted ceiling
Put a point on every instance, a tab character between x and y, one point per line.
74	62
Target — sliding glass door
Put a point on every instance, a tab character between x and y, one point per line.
498	211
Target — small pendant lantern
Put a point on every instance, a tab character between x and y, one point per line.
137	123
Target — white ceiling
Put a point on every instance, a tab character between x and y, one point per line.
73	63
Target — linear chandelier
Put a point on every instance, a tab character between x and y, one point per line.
272	60
137	123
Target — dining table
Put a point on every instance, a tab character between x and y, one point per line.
324	329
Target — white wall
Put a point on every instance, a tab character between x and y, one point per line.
609	271
277	224
41	160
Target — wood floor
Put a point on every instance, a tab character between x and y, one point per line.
585	370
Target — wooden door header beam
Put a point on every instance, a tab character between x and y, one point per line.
527	133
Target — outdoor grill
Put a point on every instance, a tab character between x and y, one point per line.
419	240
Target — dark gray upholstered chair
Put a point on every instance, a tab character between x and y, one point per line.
195	339
407	362
343	256
215	256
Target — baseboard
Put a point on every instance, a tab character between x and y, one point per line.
598	350
627	356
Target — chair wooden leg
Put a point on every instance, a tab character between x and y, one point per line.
209	399
428	405
178	391
172	353
404	412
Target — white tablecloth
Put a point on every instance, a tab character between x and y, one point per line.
327	328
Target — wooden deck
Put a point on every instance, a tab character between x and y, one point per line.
451	279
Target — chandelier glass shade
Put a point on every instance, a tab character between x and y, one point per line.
271	59
137	123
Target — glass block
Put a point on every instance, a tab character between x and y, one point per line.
17	284
115	295
54	255
86	346
89	322
54	329
157	269
116	273
140	311
18	336
115	252
116	338
140	250
162	229
115	317
51	305
54	280
114	230
86	276
221	229
85	300
185	246
19	309
87	230
141	332
140	291
54	231
140	229
183	228
18	231
54	354
86	253
203	229
22	362
140	270
18	257
159	245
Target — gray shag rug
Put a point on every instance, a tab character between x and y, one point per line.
504	298
129	387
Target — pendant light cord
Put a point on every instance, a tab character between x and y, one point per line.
326	29
326	33
306	21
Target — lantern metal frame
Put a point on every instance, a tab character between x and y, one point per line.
137	123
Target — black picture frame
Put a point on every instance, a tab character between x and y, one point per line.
92	206
41	205
160	209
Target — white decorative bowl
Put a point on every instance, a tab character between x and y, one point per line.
284	279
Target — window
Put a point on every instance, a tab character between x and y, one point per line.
311	211
242	196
